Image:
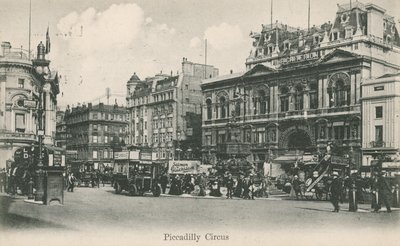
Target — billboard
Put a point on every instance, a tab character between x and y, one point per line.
184	167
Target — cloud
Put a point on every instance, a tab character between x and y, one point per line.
224	36
195	42
100	49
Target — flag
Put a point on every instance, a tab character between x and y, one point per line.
47	41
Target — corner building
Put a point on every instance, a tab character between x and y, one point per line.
301	89
95	132
21	90
165	112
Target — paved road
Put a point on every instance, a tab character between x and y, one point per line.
98	215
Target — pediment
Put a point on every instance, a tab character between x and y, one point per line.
259	69
338	55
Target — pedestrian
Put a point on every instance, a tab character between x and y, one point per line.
384	192
164	182
374	193
229	185
71	182
239	186
3	180
297	187
336	191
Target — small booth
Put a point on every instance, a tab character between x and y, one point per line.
54	184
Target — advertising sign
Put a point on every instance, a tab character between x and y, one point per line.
391	164
124	155
145	156
134	155
29	103
184	167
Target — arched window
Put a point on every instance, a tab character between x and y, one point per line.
209	109
284	99
222	105
298	98
339	90
263	99
342	94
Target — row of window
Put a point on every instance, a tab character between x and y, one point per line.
108	116
103	154
162	137
162	123
106	128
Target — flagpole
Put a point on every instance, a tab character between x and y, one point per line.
271	11
205	59
30	20
308	15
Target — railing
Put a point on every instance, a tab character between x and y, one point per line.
378	144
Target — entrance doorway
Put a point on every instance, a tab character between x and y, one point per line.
299	140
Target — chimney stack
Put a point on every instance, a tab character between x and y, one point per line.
6	47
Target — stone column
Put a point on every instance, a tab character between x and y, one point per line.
321	103
353	91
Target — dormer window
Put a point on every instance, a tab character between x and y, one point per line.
334	36
317	39
345	18
384	25
270	50
392	29
286	45
349	32
388	38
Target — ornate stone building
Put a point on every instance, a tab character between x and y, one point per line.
165	111
20	91
301	90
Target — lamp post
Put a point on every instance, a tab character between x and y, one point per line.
41	67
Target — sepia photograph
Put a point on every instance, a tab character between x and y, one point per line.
199	122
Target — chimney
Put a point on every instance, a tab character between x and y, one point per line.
6	47
89	105
41	50
231	71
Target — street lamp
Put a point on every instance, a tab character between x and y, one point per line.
41	66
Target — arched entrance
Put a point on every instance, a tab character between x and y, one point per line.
298	140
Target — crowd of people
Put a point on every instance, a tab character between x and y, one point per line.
16	180
241	186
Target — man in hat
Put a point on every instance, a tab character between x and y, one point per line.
336	191
229	185
384	191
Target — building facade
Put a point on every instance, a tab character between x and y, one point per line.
61	130
301	90
22	88
380	118
96	132
165	111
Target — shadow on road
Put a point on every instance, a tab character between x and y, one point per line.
316	209
10	221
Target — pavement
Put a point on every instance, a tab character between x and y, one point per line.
101	217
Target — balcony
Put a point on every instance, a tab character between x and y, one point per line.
17	137
377	144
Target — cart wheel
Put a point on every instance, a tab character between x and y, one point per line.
156	191
133	190
117	188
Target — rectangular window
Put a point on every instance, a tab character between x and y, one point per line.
378	134
95	116
378	112
94	139
105	139
95	127
20	122
145	125
105	128
379	88
105	154
21	83
94	154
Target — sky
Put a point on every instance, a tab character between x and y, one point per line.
97	44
